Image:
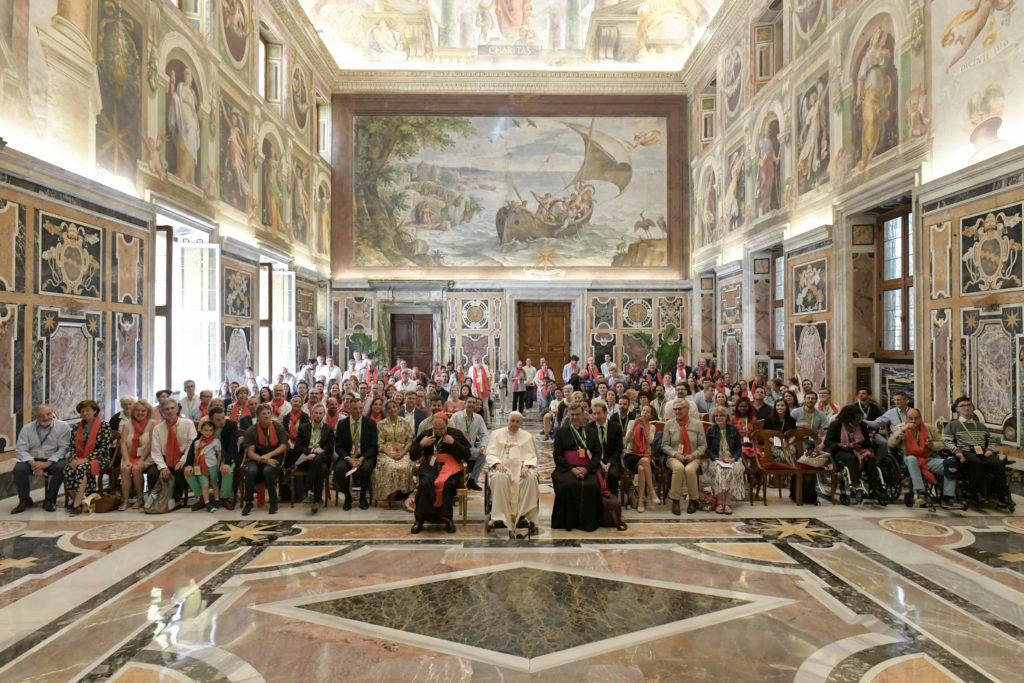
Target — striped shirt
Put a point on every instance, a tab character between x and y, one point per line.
964	436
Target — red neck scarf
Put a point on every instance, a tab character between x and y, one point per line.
917	442
239	410
684	438
592	371
835	409
277	403
140	429
332	420
371	375
263	435
201	455
743	424
84	447
293	423
172	451
480	382
205	410
640	439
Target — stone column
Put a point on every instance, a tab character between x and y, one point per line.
450	31
572	24
76	12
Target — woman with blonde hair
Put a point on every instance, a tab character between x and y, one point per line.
135	443
637	454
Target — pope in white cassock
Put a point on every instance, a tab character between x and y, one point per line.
511	462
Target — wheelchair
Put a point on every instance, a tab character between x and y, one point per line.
884	484
933	491
530	527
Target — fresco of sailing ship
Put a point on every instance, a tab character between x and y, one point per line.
565	214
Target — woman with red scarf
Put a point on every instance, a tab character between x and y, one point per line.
240	408
377	409
92	443
291	421
135	443
637	455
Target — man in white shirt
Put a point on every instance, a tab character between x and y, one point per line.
319	369
531	384
167	453
330	372
469	422
42	446
285	377
571	368
307	374
826	405
361	362
607	364
405	382
190	402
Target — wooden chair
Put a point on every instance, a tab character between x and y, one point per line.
113	470
303	473
805	470
764	464
662	475
768	466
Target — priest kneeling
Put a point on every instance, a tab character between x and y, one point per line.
511	460
441	451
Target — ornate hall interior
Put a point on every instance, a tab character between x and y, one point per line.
824	193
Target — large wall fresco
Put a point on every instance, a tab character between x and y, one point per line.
656	35
533	193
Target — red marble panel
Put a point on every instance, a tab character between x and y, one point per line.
940	239
70	361
864	304
942	370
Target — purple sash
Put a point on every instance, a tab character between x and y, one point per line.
576	460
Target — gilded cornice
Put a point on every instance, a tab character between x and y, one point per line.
510	82
300	30
719	36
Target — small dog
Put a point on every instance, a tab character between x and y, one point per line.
89	502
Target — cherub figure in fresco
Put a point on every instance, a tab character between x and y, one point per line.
973	20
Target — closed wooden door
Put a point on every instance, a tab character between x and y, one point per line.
412	339
543	332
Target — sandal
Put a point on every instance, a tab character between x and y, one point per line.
640	507
123	506
728	510
720	509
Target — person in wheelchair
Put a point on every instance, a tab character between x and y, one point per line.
969	439
921	448
511	477
849	443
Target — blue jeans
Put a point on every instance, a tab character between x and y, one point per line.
478	459
935	465
54	478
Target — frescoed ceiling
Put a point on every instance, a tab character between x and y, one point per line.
590	35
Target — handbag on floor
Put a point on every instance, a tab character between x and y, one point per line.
160	498
107	503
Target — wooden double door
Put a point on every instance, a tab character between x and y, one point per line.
412	340
543	331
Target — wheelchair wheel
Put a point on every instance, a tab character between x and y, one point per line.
844	498
893	478
908	499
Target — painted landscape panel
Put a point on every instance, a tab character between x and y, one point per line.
533	192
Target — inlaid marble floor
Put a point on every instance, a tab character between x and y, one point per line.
773	593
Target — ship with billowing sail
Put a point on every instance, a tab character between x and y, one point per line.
605	160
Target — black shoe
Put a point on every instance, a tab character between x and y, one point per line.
273	508
473	486
948	503
247	509
622	526
364	504
449	526
1005	501
74	511
523	523
348	504
49	506
314	508
417	526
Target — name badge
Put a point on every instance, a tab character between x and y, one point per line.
978	450
777	441
746	440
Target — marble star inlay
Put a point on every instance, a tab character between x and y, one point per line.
231	533
525	615
785	529
17	563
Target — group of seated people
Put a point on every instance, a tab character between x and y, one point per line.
370	427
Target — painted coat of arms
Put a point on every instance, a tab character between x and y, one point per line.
990	245
810	283
70	256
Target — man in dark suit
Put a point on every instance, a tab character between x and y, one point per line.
315	445
226	430
418	414
604	440
443	452
355	442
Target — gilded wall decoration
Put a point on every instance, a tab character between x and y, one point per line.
810	287
475	314
810	356
812	145
273	187
12	375
809	18
990	247
237	293
708	212
299	97
128	259
671	312
119	69
637	314
734	204
12	246
941	344
305	307
875	126
940	259
603	311
732	82
237	351
235	154
126	359
70	257
323	219
732	303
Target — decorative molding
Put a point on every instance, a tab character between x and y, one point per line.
992	175
718	37
510	82
294	20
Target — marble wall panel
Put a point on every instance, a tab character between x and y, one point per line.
305	306
127	266
638	313
12	246
12	345
69	257
810	287
671	312
940	257
810	352
989	352
762	316
68	359
237	351
359	313
732	303
126	358
238	293
602	343
942	363
990	248
893	378
612	316
634	348
731	353
478	346
707	322
475	314
864	304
